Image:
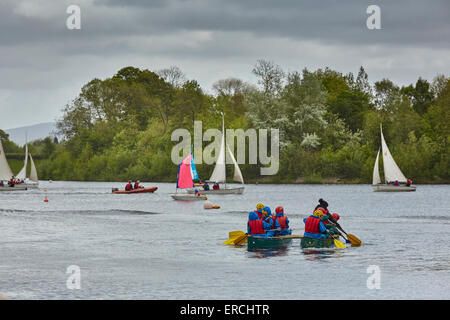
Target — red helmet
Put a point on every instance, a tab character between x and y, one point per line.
335	216
279	209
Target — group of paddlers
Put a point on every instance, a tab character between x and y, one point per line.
130	185
261	222
320	225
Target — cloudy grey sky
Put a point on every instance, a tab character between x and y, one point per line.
43	64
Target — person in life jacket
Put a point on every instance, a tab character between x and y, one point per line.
322	204
327	221
129	186
137	185
314	227
409	182
259	208
271	226
255	225
215	186
282	220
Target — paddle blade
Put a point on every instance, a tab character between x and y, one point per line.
230	241
240	240
354	240
339	244
235	234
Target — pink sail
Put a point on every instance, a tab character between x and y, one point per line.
184	174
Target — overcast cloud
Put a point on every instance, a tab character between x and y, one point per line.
43	64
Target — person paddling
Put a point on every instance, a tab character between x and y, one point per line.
314	227
271	226
137	185
282	220
129	186
255	225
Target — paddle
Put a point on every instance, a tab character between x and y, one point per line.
240	240
353	239
233	235
337	243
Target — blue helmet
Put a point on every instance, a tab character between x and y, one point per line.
253	216
267	210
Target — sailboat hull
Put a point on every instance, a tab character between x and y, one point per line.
15	188
392	188
227	190
188	197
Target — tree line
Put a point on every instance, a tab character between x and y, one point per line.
120	128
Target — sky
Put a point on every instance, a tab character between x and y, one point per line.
44	64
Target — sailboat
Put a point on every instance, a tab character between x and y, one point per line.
32	180
6	173
219	174
186	173
392	172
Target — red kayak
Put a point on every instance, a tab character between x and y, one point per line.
141	190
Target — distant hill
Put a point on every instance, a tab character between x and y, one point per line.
37	131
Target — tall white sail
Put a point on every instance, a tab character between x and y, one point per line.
237	172
391	171
33	172
5	170
376	171
219	173
23	172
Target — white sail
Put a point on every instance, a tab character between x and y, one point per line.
237	172
23	172
376	171
219	173
391	171
5	170
33	172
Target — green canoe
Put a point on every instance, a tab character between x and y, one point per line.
316	243
264	243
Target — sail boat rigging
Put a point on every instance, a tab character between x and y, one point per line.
219	174
394	178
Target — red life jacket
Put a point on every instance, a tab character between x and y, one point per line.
259	214
312	225
282	221
128	187
256	227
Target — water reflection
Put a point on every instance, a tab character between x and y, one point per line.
313	254
267	252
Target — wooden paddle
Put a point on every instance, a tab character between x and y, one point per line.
353	239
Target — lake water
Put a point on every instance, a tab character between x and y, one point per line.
148	246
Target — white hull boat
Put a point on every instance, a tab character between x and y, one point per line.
219	173
224	190
31	180
188	197
392	188
16	187
392	173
